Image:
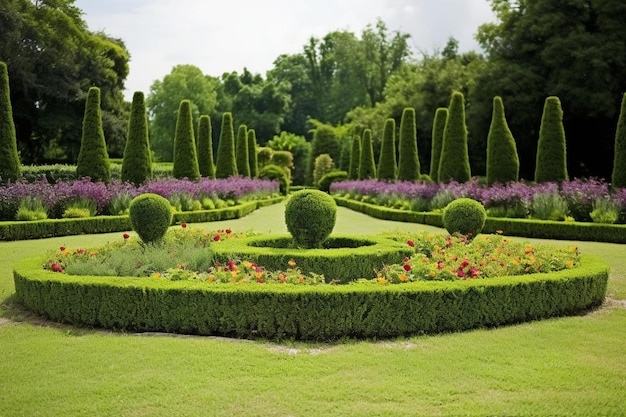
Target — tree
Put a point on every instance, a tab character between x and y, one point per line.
551	163
185	157
137	163
454	161
325	140
502	159
252	155
206	165
618	178
225	164
184	82
10	167
367	165
355	158
93	159
441	115
387	167
301	150
408	161
241	152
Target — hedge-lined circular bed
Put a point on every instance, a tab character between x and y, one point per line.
323	312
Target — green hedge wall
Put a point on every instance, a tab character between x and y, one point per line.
317	313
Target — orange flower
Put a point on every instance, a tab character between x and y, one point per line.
292	263
404	278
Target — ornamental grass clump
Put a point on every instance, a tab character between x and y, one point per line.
310	217
464	216
150	216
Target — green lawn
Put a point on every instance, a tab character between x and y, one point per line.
574	366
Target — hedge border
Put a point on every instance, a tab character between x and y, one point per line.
320	313
540	229
23	230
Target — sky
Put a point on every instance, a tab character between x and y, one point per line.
221	36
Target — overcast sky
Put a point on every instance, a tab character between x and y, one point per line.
227	35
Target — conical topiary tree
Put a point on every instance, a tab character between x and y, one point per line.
355	158
551	165
137	162
454	161
93	159
387	167
618	177
225	164
502	158
205	147
439	124
252	155
241	152
185	157
367	166
10	167
408	159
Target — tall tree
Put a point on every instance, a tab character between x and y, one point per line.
408	160
551	163
10	167
205	147
93	159
252	154
439	124
185	157
502	159
242	156
355	158
367	165
387	166
618	177
137	163
225	163
454	161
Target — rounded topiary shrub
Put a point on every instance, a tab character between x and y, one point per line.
150	216
310	217
464	216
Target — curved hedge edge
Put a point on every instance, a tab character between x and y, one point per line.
320	313
21	230
541	229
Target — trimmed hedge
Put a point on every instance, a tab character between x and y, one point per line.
318	313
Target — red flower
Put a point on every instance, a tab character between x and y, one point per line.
216	238
125	236
406	259
228	231
406	267
410	243
184	225
62	248
460	274
260	280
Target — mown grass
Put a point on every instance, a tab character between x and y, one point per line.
572	366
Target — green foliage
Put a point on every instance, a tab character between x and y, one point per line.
502	159
454	163
439	124
150	216
367	165
325	140
408	161
310	217
464	216
93	159
31	208
301	151
206	166
137	163
387	167
334	176
323	165
225	164
252	153
10	167
275	172
355	158
605	211
283	159
549	206
551	163
264	156
618	177
185	157
242	158
80	207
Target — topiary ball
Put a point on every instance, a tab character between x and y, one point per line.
464	216
150	216
310	217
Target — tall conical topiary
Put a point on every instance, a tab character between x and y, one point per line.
408	159
387	167
185	157
618	178
93	159
367	166
355	158
551	165
454	161
137	163
206	166
10	167
502	158
225	164
252	155
439	124
241	152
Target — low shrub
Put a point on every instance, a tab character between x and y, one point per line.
334	176
310	217
464	216
150	216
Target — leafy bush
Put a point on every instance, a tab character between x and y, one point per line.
549	206
605	211
464	216
31	208
310	216
274	172
93	159
323	165
334	176
150	216
80	207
